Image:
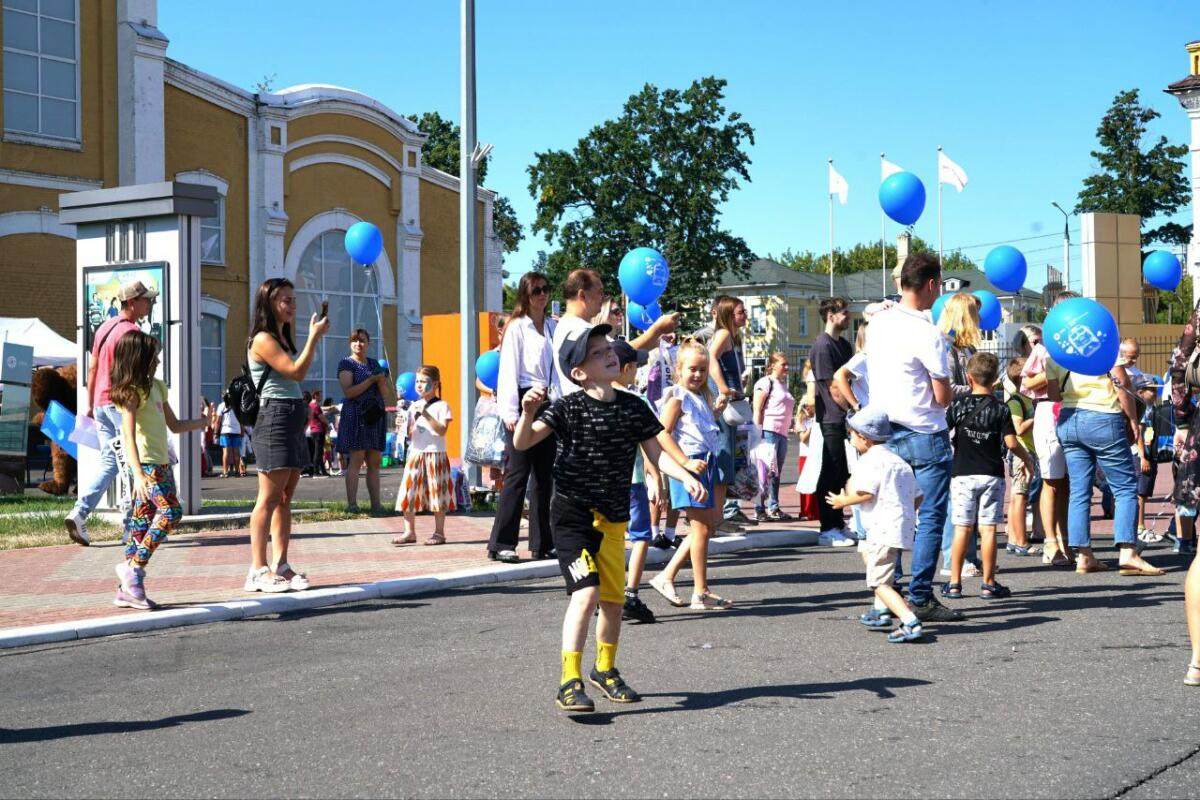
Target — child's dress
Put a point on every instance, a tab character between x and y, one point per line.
808	502
427	484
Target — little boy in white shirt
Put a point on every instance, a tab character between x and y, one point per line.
887	491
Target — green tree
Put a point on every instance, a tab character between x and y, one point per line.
1133	179
441	150
864	257
655	176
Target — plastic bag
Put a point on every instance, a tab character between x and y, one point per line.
745	481
486	447
807	483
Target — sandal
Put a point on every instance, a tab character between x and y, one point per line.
969	570
298	582
667	589
1189	679
707	601
952	591
1094	566
408	538
436	538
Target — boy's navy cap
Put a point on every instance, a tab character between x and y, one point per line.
627	355
872	423
574	348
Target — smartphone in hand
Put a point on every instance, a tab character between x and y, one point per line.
324	309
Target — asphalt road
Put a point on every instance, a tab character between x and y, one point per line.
1072	688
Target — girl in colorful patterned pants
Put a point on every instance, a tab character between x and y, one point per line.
146	417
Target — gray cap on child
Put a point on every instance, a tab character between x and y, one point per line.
872	423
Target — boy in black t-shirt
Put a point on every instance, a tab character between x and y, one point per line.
598	432
982	426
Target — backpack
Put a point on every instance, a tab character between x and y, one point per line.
242	395
1162	424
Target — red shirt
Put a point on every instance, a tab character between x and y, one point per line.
104	342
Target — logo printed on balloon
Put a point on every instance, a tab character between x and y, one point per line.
1083	336
642	317
643	275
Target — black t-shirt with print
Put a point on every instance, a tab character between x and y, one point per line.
829	354
597	442
980	422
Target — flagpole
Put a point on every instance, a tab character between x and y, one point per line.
939	180
831	237
882	243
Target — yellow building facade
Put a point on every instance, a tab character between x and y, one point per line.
91	100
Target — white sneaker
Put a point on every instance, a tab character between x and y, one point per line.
830	537
263	580
76	526
844	539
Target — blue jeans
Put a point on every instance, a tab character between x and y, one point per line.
781	446
929	455
1089	438
108	427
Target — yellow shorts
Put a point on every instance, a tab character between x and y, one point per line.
591	549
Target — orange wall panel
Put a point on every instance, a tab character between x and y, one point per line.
440	337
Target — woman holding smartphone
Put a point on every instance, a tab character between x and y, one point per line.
526	360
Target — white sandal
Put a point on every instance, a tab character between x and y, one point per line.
667	589
263	580
298	582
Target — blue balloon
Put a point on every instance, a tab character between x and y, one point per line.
406	386
902	197
57	424
990	315
1081	335
643	275
364	242
1005	267
385	366
642	317
1162	271
487	369
938	305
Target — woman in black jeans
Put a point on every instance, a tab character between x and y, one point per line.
526	360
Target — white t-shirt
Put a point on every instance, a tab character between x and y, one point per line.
568	325
424	440
889	519
857	367
905	353
229	423
696	430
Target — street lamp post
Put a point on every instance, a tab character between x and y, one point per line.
468	321
1066	246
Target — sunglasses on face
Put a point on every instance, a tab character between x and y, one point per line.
539	290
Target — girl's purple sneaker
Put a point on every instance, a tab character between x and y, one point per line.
132	591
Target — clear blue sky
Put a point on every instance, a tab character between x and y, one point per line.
1012	90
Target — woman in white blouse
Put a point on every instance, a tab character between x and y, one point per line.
526	360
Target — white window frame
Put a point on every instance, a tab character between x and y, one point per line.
37	137
220	350
803	312
206	178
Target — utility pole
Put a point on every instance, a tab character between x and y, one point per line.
468	319
1066	246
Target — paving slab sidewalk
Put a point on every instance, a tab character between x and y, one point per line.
65	592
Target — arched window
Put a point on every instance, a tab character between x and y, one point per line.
325	273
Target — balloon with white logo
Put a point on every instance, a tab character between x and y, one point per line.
643	275
642	317
1081	335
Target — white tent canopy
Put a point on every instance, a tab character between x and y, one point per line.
49	349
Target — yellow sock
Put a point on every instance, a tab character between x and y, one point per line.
606	656
571	662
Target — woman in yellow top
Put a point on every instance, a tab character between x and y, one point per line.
146	416
1096	425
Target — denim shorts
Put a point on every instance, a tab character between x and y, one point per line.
680	498
279	441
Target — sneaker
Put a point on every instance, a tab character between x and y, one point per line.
126	600
663	543
636	611
933	611
729	526
907	632
776	515
613	686
1017	550
263	580
761	516
132	591
994	591
874	618
844	539
827	538
572	697
76	526
1149	536
123	576
740	518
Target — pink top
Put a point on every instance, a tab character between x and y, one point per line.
104	342
316	420
1039	357
777	408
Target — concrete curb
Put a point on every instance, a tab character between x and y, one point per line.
260	605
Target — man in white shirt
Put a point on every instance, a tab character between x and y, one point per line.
907	359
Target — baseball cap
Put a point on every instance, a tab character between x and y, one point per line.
626	354
574	348
872	423
132	291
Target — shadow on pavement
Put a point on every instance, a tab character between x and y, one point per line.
52	732
882	688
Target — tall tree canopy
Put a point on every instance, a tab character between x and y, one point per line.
441	151
863	257
1133	180
656	176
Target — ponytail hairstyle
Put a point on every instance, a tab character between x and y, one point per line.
434	375
724	313
131	375
692	346
264	315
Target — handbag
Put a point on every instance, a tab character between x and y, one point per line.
737	413
486	445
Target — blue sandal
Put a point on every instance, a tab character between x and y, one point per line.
952	591
994	591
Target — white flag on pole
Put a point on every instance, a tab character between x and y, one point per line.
838	185
887	169
951	173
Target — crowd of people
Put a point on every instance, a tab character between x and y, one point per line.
914	429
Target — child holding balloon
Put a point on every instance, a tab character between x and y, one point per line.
426	485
